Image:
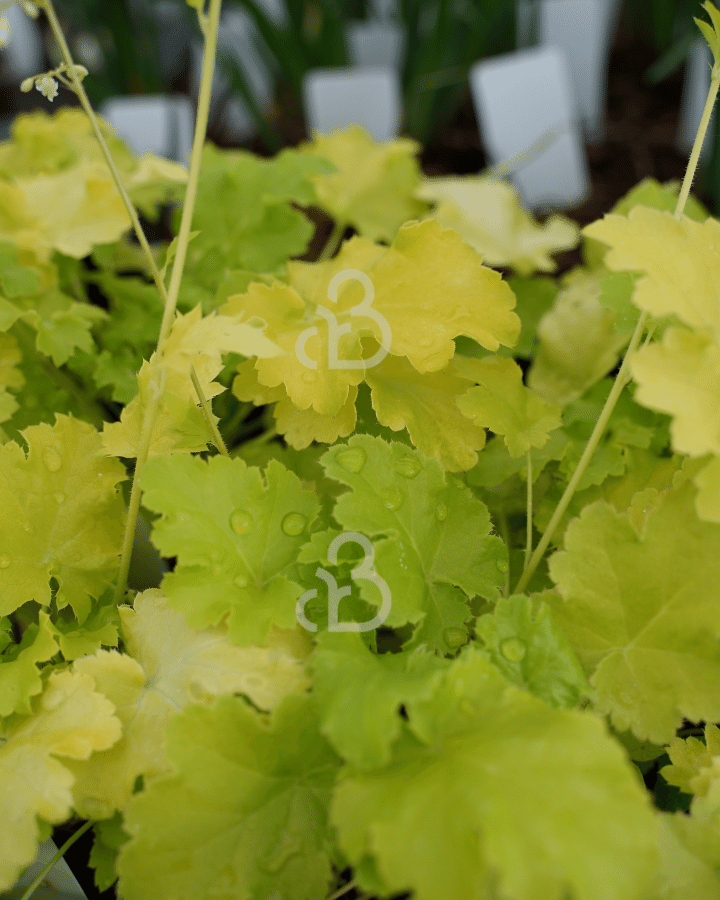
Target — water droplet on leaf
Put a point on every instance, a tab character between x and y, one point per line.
454	637
4	562
393	499
59	497
502	565
352	458
441	511
513	649
52	460
240	521
408	467
241	581
294	523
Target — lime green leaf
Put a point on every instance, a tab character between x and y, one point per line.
19	675
438	547
689	858
535	297
616	291
62	325
10	375
360	715
109	837
44	143
532	652
419	325
680	376
426	405
647	192
690	758
579	342
168	667
244	214
100	627
227	526
197	341
712	34
70	211
489	215
502	403
639	605
374	185
645	241
63	517
267	788
533	817
71	721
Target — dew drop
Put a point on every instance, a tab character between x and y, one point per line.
52	460
513	649
28	528
309	377
393	499
240	521
294	523
4	562
454	637
59	497
408	467
241	581
441	511
352	458
502	565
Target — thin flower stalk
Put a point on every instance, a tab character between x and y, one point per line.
623	376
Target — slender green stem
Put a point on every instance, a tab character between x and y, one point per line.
85	102
343	890
68	843
697	146
623	376
157	370
528	542
333	242
217	437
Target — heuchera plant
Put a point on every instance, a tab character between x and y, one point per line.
426	630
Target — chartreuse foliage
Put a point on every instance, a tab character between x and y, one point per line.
482	741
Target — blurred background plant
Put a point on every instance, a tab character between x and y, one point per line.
669	25
117	42
136	47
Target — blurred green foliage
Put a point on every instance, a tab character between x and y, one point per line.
444	39
128	58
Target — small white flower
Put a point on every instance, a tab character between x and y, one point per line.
4	31
47	86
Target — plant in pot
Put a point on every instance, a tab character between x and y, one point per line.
442	617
